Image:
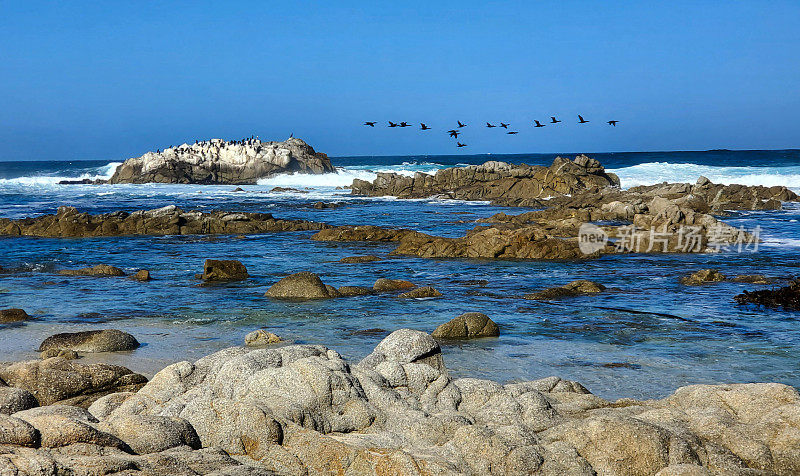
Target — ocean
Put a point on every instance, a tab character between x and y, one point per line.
644	338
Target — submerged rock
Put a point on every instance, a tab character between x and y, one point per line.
261	337
13	315
467	326
575	288
423	292
385	285
101	270
350	291
106	340
787	297
223	162
753	279
142	275
359	259
702	277
224	270
169	220
301	286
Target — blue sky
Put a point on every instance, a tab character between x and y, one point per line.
94	80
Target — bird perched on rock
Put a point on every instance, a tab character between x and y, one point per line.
423	127
581	120
613	123
370	124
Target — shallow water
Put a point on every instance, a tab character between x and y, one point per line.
644	338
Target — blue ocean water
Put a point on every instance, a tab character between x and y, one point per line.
646	337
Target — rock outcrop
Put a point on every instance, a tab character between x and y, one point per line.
69	382
470	325
261	337
100	270
299	286
302	409
496	181
787	297
575	288
703	276
224	270
223	162
169	220
105	340
13	315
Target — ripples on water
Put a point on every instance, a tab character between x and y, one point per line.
642	339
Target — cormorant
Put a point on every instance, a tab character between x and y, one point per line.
460	144
490	125
453	133
392	124
460	125
538	124
581	120
553	120
504	125
405	124
613	123
370	124
423	127
512	132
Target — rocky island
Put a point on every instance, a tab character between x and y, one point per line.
218	161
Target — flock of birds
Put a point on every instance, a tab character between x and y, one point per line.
454	133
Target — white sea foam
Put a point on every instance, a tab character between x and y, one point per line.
656	172
344	175
100	173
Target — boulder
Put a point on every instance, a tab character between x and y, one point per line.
702	277
106	340
13	315
261	337
224	270
58	380
752	279
301	286
101	270
787	297
61	426
67	354
349	291
218	161
142	275
384	285
146	434
13	400
359	259
423	292
467	326
575	288
16	432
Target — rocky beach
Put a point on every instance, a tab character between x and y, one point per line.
248	307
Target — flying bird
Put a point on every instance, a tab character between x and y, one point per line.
392	124
423	127
553	120
453	133
405	124
538	124
490	125
581	120
512	132
460	144
504	125
613	123
370	124
460	125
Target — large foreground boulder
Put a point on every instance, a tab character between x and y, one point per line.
105	340
58	380
218	161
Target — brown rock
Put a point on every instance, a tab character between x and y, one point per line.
359	259
142	275
63	353
105	340
261	337
702	277
575	288
467	326
101	270
385	284
13	315
349	291
300	286
423	292
224	270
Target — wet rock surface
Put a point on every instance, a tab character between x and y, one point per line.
302	409
575	288
100	270
223	162
224	270
703	276
13	315
299	286
787	297
105	340
68	222
467	326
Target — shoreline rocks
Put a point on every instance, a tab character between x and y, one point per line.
105	340
302	409
224	270
575	288
261	337
470	325
223	162
299	286
787	297
698	278
13	315
422	292
169	220
100	270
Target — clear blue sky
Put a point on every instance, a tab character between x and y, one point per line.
109	80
